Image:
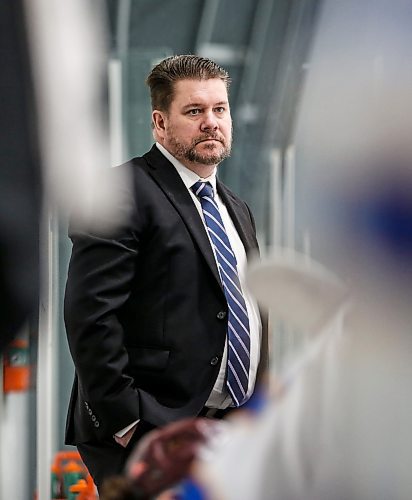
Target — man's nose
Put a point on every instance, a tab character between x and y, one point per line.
209	121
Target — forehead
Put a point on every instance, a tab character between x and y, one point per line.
210	91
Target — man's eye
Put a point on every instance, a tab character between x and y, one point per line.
194	111
220	109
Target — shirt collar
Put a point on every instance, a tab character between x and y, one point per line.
188	176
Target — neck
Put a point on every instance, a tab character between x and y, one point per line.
203	171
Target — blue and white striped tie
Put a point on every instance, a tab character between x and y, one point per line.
238	322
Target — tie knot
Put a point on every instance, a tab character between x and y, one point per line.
203	189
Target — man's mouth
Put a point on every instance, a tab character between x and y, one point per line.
208	139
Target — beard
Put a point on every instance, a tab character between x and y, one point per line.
214	154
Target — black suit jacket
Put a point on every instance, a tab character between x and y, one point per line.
145	312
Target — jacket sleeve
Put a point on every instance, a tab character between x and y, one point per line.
101	271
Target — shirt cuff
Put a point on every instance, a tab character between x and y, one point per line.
124	431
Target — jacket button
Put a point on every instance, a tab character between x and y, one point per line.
221	315
214	361
97	423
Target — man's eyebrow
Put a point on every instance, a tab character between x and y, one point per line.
201	104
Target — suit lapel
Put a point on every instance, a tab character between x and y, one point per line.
239	217
172	185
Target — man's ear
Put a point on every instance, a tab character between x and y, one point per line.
158	120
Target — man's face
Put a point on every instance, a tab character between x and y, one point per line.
198	126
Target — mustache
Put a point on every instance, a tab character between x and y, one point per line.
207	137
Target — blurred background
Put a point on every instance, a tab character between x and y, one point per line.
321	90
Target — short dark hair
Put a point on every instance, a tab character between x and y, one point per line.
163	76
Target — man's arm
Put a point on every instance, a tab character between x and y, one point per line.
100	277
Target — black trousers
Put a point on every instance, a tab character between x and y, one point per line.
107	458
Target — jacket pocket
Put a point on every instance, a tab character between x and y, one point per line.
148	358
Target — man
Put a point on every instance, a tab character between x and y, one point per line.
159	326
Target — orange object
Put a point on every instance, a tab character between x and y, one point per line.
73	466
62	457
71	472
16	368
84	489
81	488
